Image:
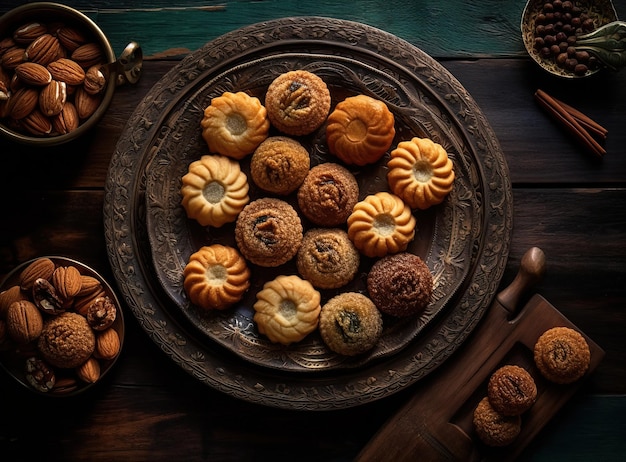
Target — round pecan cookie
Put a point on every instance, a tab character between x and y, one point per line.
562	355
297	102
511	390
493	428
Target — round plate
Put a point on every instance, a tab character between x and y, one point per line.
437	106
445	233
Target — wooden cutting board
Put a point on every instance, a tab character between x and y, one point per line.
436	424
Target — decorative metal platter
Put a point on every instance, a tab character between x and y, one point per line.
465	241
445	234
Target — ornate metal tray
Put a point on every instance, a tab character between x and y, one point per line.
465	240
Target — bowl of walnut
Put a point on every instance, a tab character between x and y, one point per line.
554	31
58	73
61	326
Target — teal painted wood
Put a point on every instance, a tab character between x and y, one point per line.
588	429
454	28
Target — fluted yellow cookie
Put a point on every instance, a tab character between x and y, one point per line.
216	277
381	224
360	130
420	172
234	124
287	309
214	190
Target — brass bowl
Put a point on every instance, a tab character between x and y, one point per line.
13	356
601	12
51	13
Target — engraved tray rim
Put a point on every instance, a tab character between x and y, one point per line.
129	252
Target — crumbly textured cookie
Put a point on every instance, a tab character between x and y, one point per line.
234	124
360	130
493	428
279	165
297	102
511	390
327	258
350	324
214	190
66	340
381	224
562	355
420	172
287	309
400	285
216	277
328	194
268	232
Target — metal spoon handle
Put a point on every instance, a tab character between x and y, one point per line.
607	43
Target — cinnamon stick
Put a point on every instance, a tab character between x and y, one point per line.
569	122
591	125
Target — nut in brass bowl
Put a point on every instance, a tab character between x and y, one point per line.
44	302
555	49
70	75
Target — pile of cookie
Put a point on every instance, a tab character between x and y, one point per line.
561	355
270	230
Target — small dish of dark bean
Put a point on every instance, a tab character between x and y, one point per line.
550	29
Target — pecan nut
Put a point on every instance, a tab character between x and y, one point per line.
37	123
39	375
40	268
24	322
33	74
66	120
23	102
95	80
43	50
52	98
46	298
85	103
25	34
70	38
68	71
88	55
101	313
67	281
89	371
107	344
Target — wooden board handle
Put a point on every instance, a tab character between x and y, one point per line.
530	272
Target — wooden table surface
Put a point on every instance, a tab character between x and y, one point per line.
565	201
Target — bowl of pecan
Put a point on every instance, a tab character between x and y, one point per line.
61	326
555	33
58	73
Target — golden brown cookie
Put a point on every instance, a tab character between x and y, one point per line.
268	232
297	102
420	172
216	277
493	428
400	285
562	355
327	258
287	309
214	190
360	130
66	340
381	224
234	124
511	390
328	194
350	324
279	165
